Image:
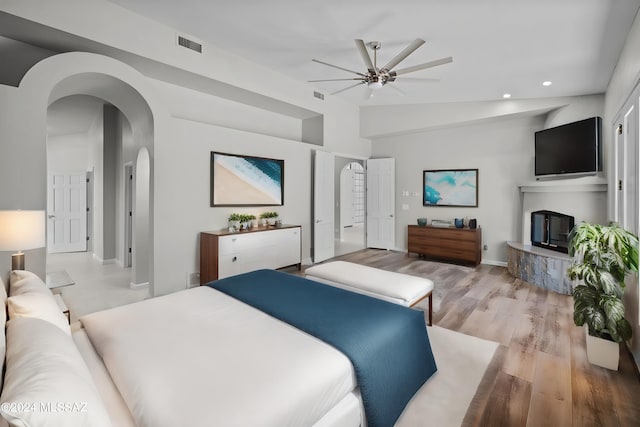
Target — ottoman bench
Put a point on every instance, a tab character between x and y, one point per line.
394	287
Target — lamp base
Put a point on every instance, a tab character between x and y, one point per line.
17	261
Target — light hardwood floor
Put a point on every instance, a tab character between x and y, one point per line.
539	375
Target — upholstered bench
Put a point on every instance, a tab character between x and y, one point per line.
394	287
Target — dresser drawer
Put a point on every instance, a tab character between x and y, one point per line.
238	243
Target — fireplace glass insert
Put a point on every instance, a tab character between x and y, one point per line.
551	230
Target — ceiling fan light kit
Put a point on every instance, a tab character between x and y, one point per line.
375	78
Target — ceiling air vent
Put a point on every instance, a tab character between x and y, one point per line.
189	44
318	95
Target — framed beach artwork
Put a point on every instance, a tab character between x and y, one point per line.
239	180
450	187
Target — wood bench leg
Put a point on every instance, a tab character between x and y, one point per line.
429	296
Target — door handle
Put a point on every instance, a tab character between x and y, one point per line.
390	215
317	221
51	216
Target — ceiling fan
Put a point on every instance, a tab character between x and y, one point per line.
375	78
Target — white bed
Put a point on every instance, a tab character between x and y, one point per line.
230	365
195	357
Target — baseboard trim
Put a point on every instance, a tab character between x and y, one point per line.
138	285
495	263
104	261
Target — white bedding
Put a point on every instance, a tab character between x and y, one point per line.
201	358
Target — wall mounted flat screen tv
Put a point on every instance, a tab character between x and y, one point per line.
571	149
238	180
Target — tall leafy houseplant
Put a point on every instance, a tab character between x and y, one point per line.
604	255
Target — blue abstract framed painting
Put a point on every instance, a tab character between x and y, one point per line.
238	180
450	187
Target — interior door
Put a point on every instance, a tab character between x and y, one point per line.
323	201
626	167
381	224
67	212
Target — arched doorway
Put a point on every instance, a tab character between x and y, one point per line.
351	213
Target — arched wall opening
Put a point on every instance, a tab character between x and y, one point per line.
65	75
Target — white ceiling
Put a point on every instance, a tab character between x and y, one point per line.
498	46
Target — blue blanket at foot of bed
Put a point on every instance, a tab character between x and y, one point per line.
386	343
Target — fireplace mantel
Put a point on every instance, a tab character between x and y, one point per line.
563	188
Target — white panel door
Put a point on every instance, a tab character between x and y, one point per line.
630	187
626	166
323	201
381	224
67	212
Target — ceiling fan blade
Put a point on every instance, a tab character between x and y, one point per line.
346	88
397	89
423	66
339	68
365	56
402	55
334	80
413	80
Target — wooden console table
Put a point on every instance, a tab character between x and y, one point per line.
455	244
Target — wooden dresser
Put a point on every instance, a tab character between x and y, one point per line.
224	253
455	244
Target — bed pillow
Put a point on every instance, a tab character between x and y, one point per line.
44	368
22	281
39	305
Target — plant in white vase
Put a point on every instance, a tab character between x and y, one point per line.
604	255
270	217
234	221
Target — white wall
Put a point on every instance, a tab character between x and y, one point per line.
496	139
67	153
182	167
501	150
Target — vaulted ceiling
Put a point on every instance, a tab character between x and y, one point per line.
498	46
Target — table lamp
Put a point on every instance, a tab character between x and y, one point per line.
21	230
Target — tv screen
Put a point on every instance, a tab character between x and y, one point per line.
238	180
573	148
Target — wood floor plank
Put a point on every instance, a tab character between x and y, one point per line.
551	397
520	362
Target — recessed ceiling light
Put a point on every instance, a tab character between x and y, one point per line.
506	95
546	83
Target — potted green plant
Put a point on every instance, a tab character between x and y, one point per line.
604	255
252	222
270	217
244	221
234	221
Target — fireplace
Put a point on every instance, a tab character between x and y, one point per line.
551	230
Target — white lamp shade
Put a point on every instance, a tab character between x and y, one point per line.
22	230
